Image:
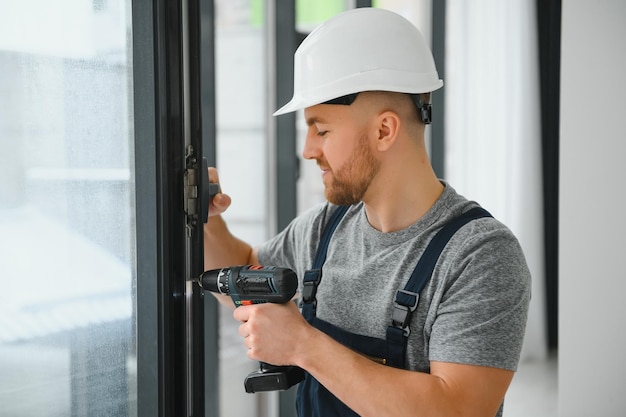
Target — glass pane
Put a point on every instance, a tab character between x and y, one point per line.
67	344
309	14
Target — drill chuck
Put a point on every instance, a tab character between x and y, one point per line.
210	281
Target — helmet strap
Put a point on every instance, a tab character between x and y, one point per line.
343	100
424	109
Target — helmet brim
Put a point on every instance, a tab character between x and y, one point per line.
300	102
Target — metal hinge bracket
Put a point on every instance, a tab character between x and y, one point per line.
192	203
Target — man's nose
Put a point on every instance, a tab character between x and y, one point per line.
312	149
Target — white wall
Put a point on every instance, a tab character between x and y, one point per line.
592	281
493	145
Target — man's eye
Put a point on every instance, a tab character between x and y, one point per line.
322	132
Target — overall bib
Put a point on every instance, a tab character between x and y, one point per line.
313	400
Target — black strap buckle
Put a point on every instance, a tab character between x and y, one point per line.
403	308
311	280
424	109
426	114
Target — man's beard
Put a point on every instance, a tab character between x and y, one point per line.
349	182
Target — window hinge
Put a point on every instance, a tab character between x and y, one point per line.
191	190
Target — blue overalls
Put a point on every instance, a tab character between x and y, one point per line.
313	399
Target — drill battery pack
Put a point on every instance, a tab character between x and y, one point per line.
273	378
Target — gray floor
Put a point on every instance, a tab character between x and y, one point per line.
534	390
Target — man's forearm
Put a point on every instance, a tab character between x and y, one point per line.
221	248
371	389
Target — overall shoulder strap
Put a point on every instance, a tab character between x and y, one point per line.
327	233
313	276
407	298
426	264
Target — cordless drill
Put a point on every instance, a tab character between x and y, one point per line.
255	284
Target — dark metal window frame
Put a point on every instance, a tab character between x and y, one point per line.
167	40
549	34
437	137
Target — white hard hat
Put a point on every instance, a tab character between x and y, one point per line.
364	49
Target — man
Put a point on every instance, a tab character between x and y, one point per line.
371	341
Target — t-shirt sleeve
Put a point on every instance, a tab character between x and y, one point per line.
483	307
294	247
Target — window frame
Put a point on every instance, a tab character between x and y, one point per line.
174	377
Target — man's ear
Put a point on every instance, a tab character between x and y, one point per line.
388	127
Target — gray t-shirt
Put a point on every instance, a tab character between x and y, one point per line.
472	311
